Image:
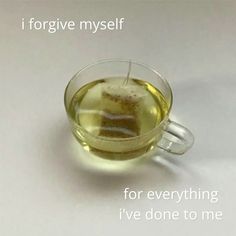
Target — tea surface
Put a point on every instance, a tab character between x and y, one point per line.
111	108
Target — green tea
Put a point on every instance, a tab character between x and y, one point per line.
108	110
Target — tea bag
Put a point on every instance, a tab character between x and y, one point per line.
120	105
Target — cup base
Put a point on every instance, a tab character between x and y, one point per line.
117	156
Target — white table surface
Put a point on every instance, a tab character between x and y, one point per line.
47	184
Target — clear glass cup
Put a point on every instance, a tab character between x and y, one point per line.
167	135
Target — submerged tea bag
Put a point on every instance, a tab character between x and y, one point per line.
119	111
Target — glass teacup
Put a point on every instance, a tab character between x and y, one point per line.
119	110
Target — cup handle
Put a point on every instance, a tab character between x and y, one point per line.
176	138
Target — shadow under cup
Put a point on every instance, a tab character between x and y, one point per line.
166	135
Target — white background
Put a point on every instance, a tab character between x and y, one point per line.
43	190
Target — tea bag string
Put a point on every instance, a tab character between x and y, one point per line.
126	80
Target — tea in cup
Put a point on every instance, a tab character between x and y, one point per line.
119	110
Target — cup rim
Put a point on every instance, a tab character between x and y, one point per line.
120	60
